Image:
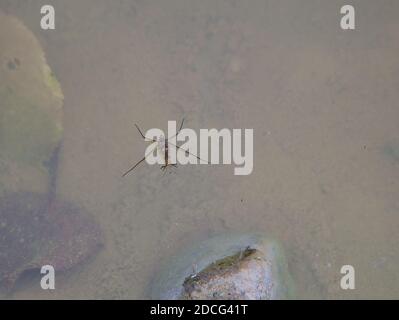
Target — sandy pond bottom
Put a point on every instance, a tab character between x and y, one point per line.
322	103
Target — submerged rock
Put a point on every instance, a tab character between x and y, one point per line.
34	232
30	110
392	151
227	267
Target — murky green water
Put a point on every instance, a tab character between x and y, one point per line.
323	104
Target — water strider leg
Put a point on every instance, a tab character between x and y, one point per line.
140	131
181	126
132	168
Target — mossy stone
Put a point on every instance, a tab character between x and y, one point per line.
231	266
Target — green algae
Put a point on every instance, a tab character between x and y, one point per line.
220	266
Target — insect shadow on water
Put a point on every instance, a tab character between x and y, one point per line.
163	144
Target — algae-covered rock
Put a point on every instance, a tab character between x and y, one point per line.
30	110
227	267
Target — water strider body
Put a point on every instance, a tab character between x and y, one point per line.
163	147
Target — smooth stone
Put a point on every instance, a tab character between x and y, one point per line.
30	110
35	231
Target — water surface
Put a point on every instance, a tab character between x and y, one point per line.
323	104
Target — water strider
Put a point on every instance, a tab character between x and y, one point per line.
163	144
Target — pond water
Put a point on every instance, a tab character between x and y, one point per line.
323	104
